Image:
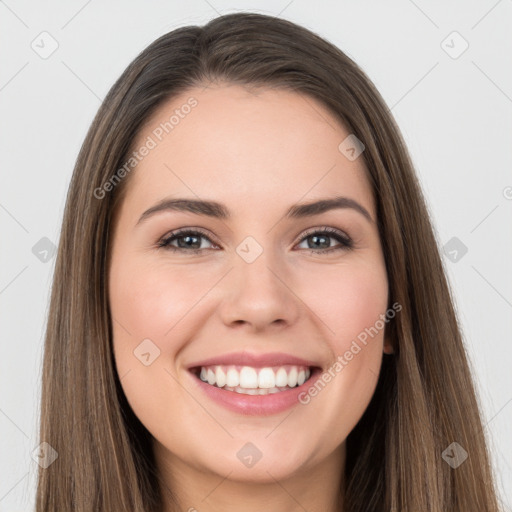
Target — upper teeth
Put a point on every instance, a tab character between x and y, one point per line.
253	378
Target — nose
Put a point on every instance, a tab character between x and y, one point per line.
259	295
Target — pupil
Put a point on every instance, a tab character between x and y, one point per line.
316	238
187	239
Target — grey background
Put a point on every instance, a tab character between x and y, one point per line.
454	111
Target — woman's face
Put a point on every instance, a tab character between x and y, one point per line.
256	297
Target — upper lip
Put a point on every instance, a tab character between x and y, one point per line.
254	360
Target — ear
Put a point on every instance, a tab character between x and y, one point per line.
388	344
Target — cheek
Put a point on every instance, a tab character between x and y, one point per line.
151	300
350	303
348	299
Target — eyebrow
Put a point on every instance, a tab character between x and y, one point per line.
219	211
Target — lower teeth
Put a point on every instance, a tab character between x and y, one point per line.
252	391
257	391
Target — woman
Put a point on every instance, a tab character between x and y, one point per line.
249	307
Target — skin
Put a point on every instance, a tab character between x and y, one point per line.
258	152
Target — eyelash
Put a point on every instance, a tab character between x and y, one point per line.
345	242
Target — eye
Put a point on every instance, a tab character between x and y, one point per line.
191	240
188	240
320	240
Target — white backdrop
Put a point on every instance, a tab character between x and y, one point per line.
445	70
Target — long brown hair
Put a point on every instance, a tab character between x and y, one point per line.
425	397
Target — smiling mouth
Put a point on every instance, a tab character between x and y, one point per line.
250	380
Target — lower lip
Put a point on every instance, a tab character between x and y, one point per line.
257	405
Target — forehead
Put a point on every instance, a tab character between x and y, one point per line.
251	148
